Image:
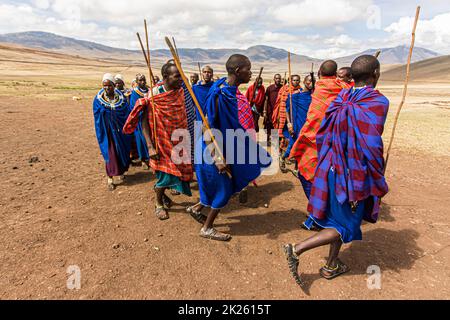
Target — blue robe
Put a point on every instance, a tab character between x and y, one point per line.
112	120
216	189
201	92
141	144
301	102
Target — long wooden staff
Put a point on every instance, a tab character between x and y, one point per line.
290	86
256	82
313	79
175	46
200	71
152	79
194	98
405	89
147	59
377	54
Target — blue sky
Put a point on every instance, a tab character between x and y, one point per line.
316	28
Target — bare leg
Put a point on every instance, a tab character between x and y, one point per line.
159	196
335	247
209	232
324	237
212	215
160	211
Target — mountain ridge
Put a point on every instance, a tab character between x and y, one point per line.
256	53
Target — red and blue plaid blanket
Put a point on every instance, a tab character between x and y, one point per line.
349	140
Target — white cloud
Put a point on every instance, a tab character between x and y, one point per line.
321	13
318	28
433	34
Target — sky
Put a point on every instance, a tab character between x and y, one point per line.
317	28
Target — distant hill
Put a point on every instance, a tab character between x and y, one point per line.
397	55
50	41
435	69
259	54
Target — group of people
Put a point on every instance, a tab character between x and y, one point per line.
330	128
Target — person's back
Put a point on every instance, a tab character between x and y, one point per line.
349	180
326	90
223	173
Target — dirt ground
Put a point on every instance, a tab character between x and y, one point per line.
57	212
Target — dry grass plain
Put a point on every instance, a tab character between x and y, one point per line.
57	212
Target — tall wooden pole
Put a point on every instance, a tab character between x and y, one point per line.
194	98
147	59
290	86
405	88
152	79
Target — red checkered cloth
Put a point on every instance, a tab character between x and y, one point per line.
258	99
279	112
245	114
170	115
305	149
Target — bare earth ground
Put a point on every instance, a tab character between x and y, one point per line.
57	212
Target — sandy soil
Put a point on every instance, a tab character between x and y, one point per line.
57	212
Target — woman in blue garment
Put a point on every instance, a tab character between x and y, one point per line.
111	110
139	92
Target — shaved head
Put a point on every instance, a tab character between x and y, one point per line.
364	67
345	74
236	61
239	69
328	68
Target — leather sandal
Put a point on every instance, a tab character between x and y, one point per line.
213	234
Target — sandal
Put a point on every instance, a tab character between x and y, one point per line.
111	186
243	196
197	215
175	193
283	166
331	273
293	263
213	234
164	215
168	203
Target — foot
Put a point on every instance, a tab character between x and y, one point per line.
331	273
121	179
283	166
168	203
161	213
243	196
111	186
175	193
196	214
213	234
293	262
145	165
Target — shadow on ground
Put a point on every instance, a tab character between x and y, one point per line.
387	249
273	224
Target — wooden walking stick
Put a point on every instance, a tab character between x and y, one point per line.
152	79
405	88
377	54
313	79
194	98
200	71
147	59
290	87
256	82
176	49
